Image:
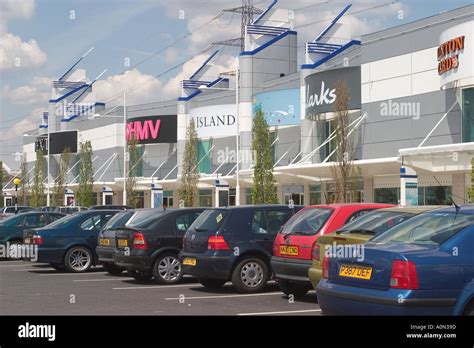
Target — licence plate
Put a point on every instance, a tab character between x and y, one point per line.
355	272
189	261
27	241
289	250
122	243
105	242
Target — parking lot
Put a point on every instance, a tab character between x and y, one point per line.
36	289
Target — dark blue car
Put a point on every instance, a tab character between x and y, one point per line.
69	243
424	266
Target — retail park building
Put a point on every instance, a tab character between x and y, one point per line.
412	109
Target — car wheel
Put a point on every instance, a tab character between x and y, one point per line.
167	269
78	259
212	283
291	288
112	269
250	275
140	276
58	267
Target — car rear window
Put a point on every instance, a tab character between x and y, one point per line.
308	222
62	221
145	218
118	220
209	220
376	222
427	228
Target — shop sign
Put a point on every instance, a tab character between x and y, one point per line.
215	121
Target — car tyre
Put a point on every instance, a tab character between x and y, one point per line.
167	269
291	288
250	275
78	259
113	269
212	283
140	276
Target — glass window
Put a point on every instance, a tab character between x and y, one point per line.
428	228
204	156
205	198
389	195
248	195
308	222
276	219
357	215
314	194
31	221
118	220
376	222
209	220
258	222
144	217
434	195
182	222
468	115
91	224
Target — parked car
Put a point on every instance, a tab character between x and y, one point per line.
110	207
422	266
293	246
106	242
9	211
360	231
69	243
234	243
11	228
63	210
149	248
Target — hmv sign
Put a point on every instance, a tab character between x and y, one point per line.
153	129
321	93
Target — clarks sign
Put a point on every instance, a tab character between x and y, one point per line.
215	121
321	90
153	129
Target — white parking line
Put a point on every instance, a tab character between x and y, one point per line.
16	264
28	269
100	280
224	296
73	274
281	312
153	287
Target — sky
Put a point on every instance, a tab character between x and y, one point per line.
145	43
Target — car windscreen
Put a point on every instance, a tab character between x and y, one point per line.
376	222
308	222
427	228
209	220
145	218
118	220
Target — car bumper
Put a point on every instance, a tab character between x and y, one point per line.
132	262
291	269
315	274
207	266
342	299
50	255
105	254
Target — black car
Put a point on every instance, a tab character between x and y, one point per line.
149	249
234	243
106	239
110	207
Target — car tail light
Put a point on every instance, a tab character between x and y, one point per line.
217	243
139	241
316	252
38	240
325	267
404	275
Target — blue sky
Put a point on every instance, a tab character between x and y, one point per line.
134	29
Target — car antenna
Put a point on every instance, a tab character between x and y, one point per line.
457	207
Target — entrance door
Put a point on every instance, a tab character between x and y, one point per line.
297	198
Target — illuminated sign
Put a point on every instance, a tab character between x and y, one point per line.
448	54
152	129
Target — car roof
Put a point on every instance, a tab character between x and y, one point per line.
256	206
417	209
465	209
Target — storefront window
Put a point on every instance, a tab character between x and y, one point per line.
468	115
314	194
232	197
434	195
168	200
389	195
248	195
204	156
205	198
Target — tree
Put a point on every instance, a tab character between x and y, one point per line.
188	193
25	180
131	182
344	173
86	175
1	183
264	189
61	178
38	197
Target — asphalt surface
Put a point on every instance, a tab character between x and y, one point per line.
28	288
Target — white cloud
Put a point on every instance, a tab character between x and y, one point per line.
35	93
14	9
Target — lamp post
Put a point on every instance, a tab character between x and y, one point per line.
16	182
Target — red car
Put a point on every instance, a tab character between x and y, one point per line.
293	245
